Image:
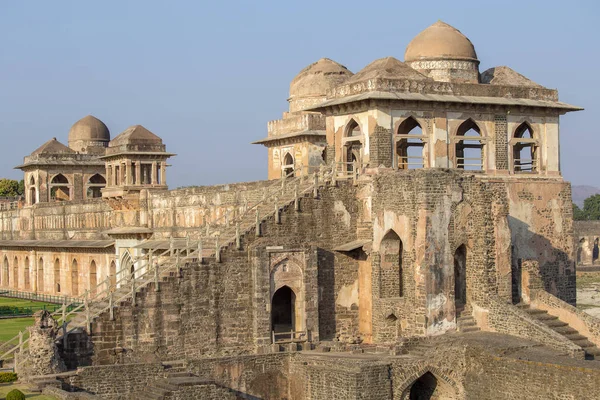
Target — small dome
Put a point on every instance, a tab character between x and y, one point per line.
318	77
440	41
89	128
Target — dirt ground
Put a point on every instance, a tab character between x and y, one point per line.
588	292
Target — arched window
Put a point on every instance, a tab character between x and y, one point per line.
93	278
32	191
57	275
127	266
112	273
94	186
352	142
595	251
391	276
469	146
59	188
410	147
40	275
16	273
5	277
26	277
460	278
524	149
288	165
74	279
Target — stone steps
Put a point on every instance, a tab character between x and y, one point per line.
466	323
591	350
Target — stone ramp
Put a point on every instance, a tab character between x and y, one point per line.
592	352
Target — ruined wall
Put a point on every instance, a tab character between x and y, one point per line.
587	236
541	224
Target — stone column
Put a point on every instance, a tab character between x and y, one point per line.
138	172
163	173
128	173
439	156
153	173
108	175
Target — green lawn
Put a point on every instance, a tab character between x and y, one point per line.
585	279
7	387
8	301
10	327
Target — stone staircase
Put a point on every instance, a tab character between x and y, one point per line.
592	352
228	231
465	322
181	384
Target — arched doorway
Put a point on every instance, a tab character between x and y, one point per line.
57	275
460	278
93	278
74	279
283	310
40	275
595	251
288	165
32	191
390	277
353	146
424	388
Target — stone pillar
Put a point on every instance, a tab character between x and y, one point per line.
109	175
163	173
138	172
153	174
501	142
381	147
128	173
439	143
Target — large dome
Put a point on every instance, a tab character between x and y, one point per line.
317	78
89	128
440	42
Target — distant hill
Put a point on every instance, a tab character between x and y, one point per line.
582	192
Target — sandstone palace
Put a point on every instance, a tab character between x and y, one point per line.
414	240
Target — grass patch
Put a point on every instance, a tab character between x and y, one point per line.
7	387
585	279
10	327
8	301
586	306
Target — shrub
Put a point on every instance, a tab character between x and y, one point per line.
15	395
7	377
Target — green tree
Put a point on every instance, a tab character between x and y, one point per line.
591	208
578	214
10	188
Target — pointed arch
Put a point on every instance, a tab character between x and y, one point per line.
60	188
410	147
94	186
127	266
93	278
352	146
391	275
16	273
430	383
524	146
5	274
112	273
40	276
32	190
26	274
283	311
287	165
57	287
352	129
469	148
74	278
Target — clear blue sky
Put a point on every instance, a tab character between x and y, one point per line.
207	76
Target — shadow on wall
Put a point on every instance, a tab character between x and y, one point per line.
557	268
326	279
